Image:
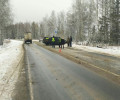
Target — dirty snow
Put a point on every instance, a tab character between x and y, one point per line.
112	50
10	54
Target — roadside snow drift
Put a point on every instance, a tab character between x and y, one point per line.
112	50
10	55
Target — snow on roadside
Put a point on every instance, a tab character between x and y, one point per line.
36	40
112	50
9	57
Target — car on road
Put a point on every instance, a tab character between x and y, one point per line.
48	41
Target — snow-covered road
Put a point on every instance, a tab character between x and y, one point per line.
10	55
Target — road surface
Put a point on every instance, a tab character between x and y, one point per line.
102	60
57	78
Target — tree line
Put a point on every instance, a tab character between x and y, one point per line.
94	21
5	18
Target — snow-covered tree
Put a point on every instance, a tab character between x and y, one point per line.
52	24
61	24
34	29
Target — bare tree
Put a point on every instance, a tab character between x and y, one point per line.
52	24
35	29
61	24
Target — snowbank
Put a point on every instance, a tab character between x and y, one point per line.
112	50
10	54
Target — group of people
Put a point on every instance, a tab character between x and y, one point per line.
61	42
69	41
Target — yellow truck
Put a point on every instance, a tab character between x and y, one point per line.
28	38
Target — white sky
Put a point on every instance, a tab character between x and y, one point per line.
35	10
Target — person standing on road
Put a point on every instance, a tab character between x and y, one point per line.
60	46
53	42
70	41
62	43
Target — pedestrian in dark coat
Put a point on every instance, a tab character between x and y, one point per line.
62	43
70	41
60	46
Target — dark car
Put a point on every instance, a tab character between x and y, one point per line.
48	41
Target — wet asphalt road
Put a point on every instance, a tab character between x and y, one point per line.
56	78
104	61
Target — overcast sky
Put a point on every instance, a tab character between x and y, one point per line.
35	10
